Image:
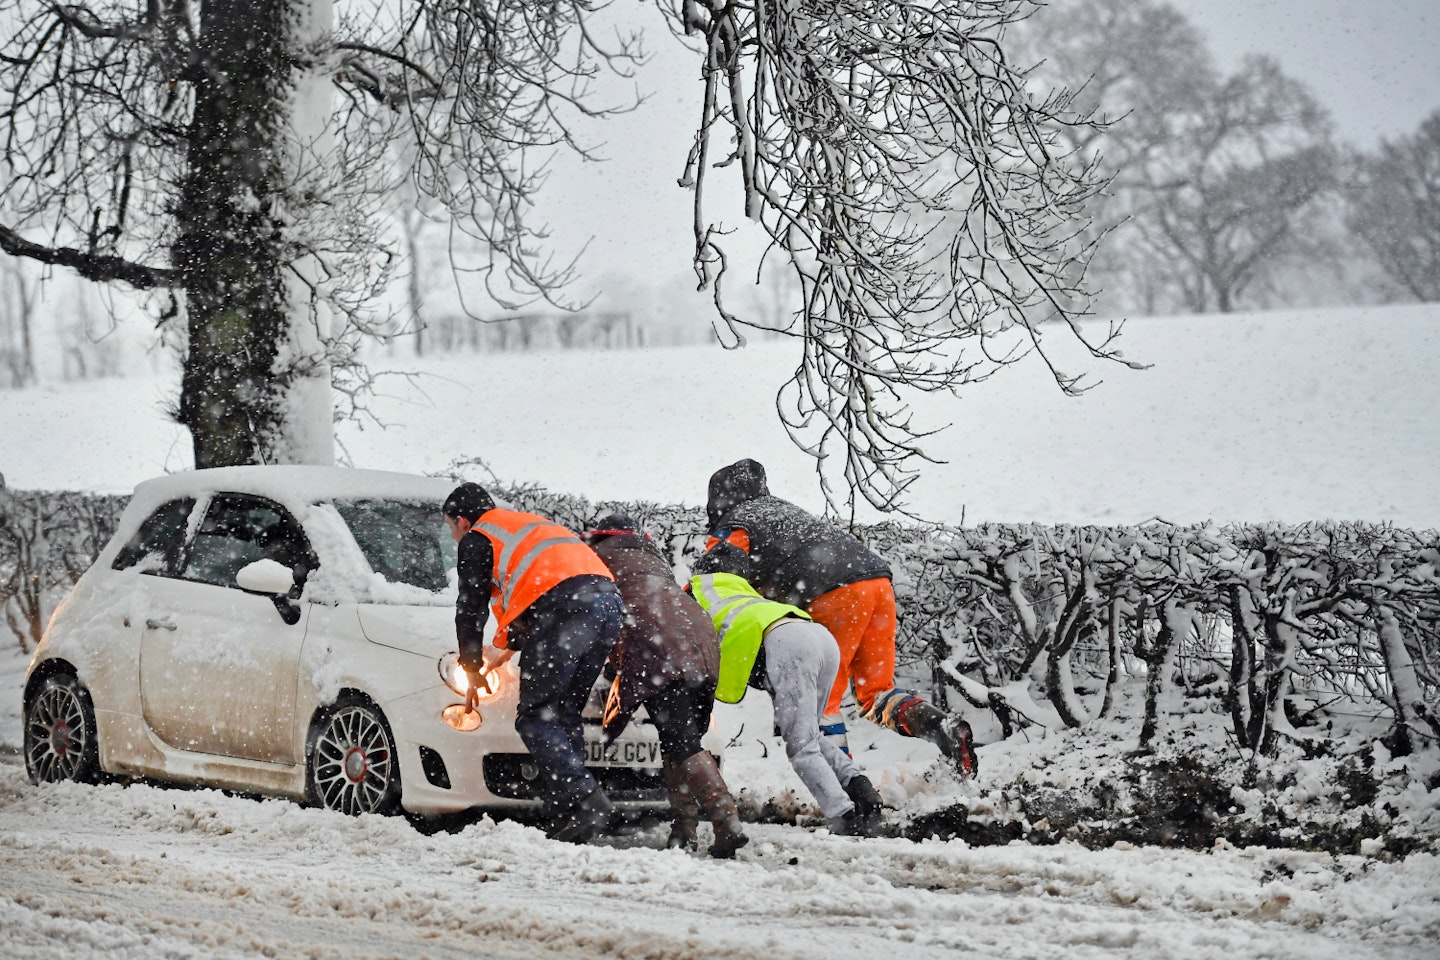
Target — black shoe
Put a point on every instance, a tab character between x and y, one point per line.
850	824
919	718
955	742
868	805
584	821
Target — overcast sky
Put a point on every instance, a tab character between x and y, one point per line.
1374	63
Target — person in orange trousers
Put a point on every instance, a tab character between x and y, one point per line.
794	557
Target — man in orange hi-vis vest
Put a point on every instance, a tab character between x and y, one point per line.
557	606
796	558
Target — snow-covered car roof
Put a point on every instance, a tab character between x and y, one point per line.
295	485
307	492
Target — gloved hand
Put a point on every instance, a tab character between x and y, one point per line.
478	679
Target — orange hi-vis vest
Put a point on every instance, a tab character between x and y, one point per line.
532	555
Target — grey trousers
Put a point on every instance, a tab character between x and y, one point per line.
801	660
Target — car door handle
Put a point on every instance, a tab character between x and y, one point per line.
159	624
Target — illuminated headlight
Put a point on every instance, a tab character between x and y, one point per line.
458	680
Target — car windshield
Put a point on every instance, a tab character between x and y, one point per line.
403	541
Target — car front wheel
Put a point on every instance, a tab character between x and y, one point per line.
60	741
352	763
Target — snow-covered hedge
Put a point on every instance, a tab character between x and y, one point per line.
1279	626
47	539
1274	624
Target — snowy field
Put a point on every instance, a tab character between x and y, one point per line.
1283	416
1289	416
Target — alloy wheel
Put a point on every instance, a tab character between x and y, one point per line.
60	741
352	763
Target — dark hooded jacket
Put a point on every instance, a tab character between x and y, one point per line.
793	556
667	637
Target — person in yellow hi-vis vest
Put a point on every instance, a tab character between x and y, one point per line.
776	646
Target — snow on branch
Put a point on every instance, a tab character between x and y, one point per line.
918	194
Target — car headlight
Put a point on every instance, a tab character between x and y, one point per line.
458	680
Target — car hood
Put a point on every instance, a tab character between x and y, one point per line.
428	631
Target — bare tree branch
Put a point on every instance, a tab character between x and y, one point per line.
92	266
893	156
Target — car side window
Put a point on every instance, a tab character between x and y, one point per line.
155	548
240	529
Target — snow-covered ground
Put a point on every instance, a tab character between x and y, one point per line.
1286	416
144	872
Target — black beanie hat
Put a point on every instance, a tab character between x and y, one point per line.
612	524
468	501
618	521
733	485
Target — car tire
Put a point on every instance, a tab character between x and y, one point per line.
60	739
351	766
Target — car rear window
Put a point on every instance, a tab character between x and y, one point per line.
155	548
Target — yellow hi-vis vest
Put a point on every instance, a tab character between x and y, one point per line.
741	617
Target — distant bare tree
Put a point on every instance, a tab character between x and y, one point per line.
921	198
1232	192
47	540
90	347
19	295
775	300
1395	208
1130	64
1219	182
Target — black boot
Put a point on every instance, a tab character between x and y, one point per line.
869	808
848	824
584	821
919	718
702	773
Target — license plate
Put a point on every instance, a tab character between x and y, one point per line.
625	753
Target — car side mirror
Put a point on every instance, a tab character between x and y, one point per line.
266	576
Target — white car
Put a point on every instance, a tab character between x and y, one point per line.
290	631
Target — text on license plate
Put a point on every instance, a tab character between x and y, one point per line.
625	753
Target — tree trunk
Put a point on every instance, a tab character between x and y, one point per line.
1163	661
1405	684
256	384
1059	680
1279	656
307	428
414	294
1247	713
1112	635
1060	683
28	294
1224	298
228	252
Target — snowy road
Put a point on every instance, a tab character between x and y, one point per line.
146	872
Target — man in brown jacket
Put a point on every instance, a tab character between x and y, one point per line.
668	660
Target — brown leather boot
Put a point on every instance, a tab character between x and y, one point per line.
683	809
708	786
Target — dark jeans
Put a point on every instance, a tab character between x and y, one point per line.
564	652
681	715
